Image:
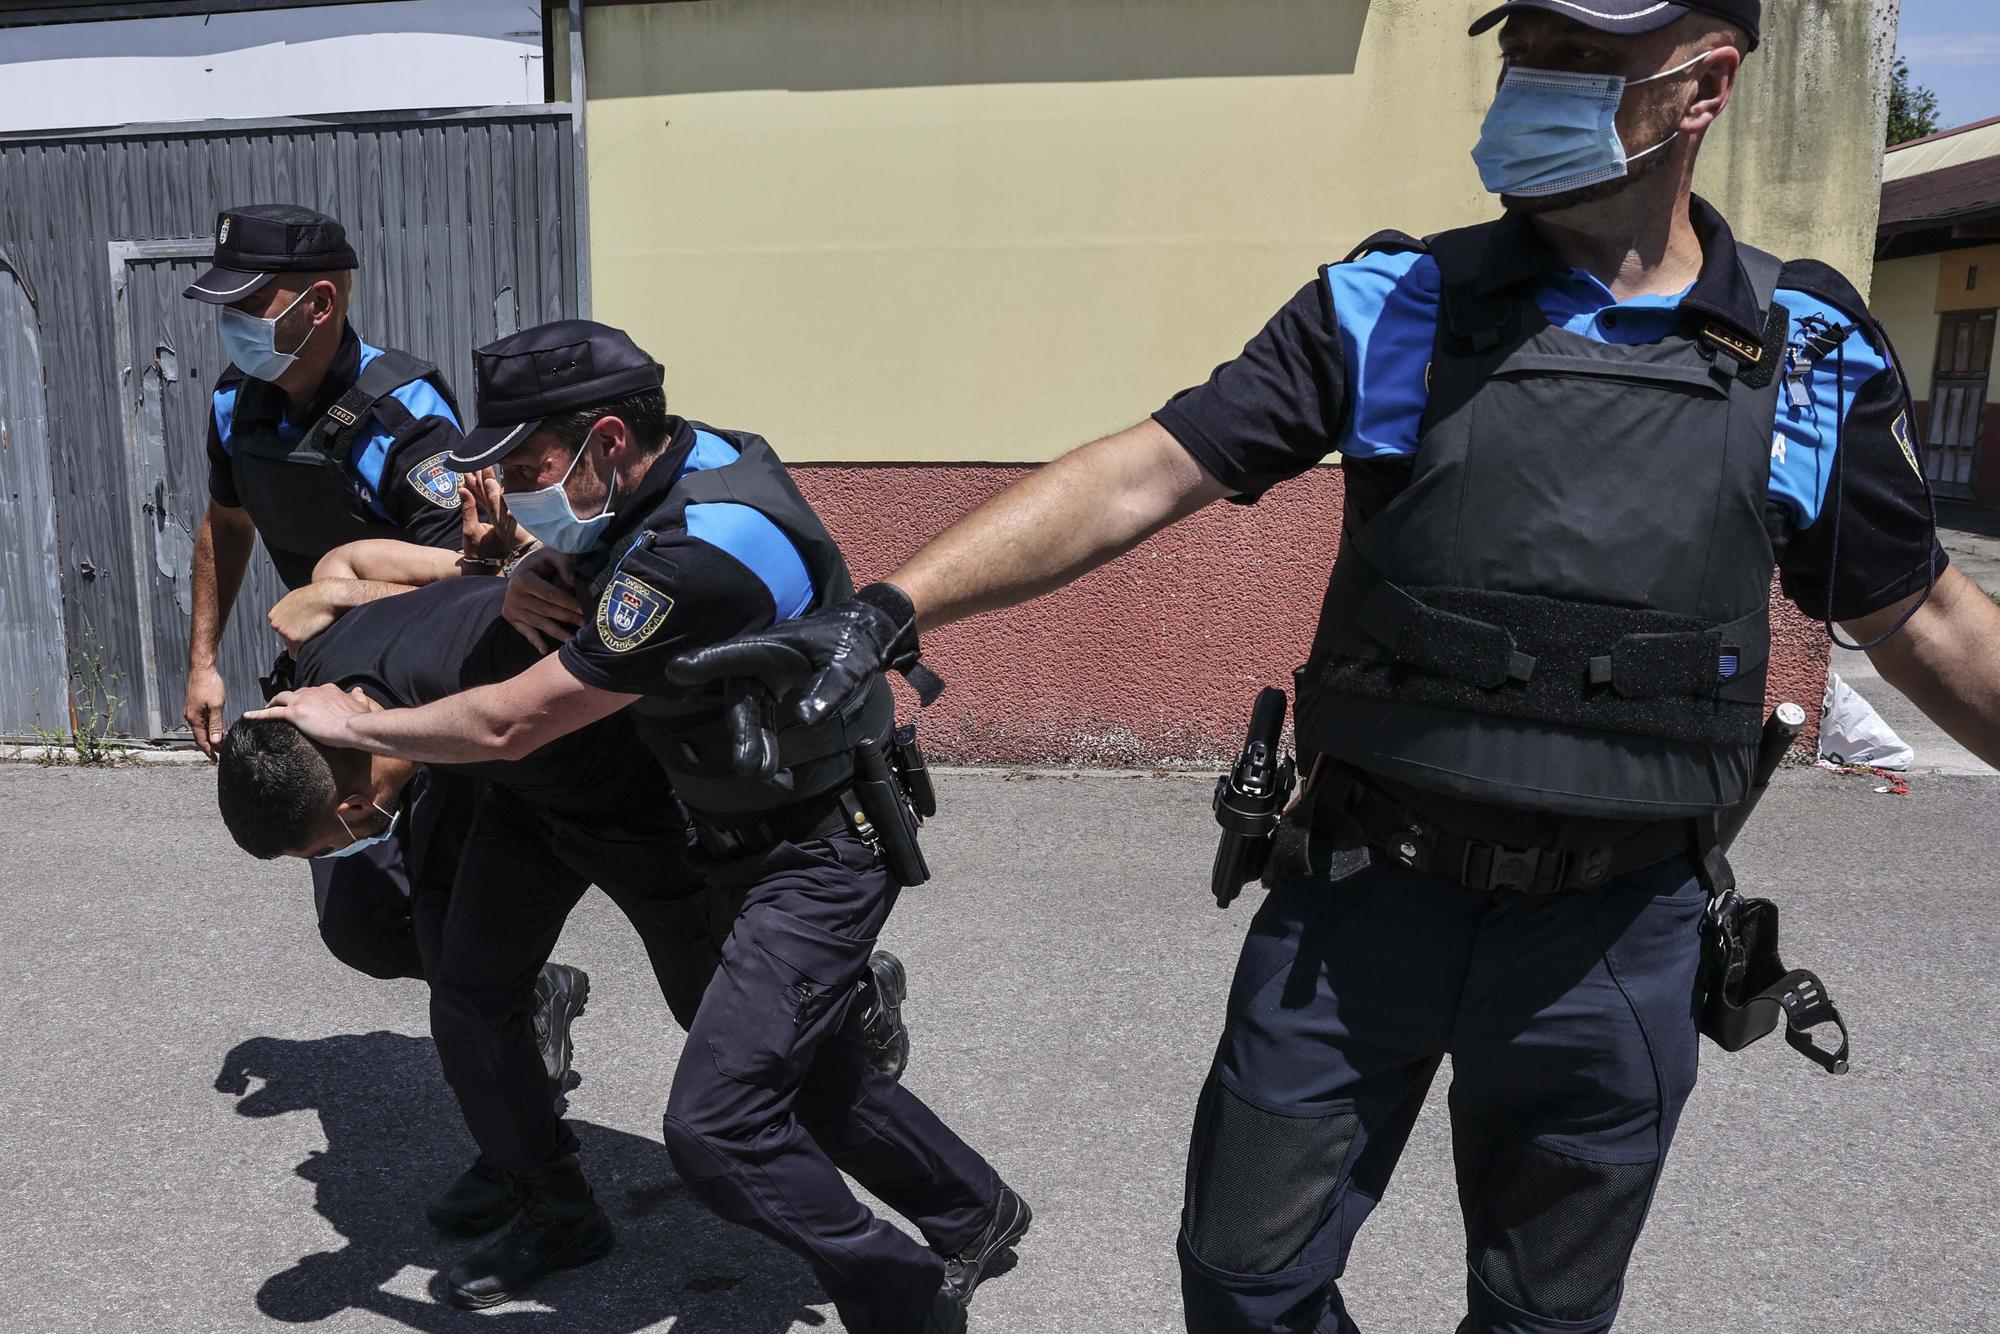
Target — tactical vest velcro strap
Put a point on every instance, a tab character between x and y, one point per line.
1688	662
1444	643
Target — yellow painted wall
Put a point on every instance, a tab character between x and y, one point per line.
992	229
1969	279
1905	299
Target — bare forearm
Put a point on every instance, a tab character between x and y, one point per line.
387	561
222	547
1947	662
1056	524
462	729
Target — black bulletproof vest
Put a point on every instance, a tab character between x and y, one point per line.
1567	607
686	731
300	493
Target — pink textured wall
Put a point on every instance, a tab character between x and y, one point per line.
1155	657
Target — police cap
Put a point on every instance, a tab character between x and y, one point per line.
255	243
1632	17
536	373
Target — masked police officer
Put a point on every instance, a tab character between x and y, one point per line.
1576	441
590	808
682	535
317	439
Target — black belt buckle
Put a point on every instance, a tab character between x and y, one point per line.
1505	868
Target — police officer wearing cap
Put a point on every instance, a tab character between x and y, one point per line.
315	438
679	534
1576	442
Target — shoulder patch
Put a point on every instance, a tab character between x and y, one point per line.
629	612
434	480
1905	440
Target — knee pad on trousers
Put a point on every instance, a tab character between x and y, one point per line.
1262	1182
1552	1234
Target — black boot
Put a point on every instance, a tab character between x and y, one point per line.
879	1014
560	994
483	1198
966	1270
559	1227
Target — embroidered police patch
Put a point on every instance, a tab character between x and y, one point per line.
629	612
434	480
1901	430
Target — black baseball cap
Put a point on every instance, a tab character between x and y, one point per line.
536	373
255	243
1632	17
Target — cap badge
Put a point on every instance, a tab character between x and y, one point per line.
222	232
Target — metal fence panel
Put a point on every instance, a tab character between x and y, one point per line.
464	223
34	698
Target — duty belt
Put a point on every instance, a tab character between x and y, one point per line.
800	822
1408	837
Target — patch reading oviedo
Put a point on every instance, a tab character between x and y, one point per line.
436	482
629	612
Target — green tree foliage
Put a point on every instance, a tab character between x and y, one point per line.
1913	108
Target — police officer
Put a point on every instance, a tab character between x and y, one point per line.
591	807
683	534
315	439
1575	441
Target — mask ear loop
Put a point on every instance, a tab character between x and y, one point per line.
1839	492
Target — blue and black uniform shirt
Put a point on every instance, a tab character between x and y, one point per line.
1342	368
729	570
402	475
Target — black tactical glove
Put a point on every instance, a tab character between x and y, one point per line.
836	652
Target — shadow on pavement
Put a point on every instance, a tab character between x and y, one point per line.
394	1137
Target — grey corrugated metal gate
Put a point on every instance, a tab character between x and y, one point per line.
33	695
465	223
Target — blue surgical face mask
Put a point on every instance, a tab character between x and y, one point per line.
1550	132
357	844
253	343
548	517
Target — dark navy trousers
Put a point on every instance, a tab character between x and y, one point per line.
380	909
1570	1022
774	1097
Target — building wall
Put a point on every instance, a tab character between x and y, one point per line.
949	237
289	62
1909	296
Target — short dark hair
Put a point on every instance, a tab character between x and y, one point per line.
274	785
644	414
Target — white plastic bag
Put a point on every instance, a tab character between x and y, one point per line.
1851	732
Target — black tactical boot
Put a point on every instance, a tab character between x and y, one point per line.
560	994
879	1014
947	1314
559	1227
965	1271
483	1198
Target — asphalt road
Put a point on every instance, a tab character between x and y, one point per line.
208	1125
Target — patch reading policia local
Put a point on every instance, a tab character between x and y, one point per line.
629	612
434	480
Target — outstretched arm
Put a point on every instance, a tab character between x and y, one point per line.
1946	660
1057	524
